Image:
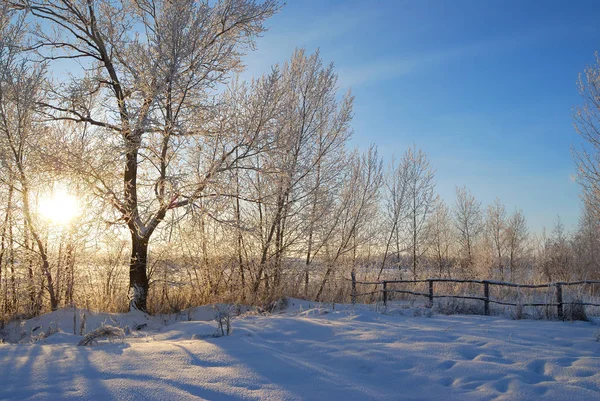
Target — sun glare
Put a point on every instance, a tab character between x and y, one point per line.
60	207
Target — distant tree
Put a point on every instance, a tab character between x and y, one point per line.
469	225
556	258
356	208
441	237
395	208
421	200
495	227
586	120
575	255
586	243
517	241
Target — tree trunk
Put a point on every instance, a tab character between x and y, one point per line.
42	249
138	278
70	266
3	247
307	265
322	286
267	244
238	226
414	244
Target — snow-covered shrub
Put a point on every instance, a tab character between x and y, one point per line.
422	312
455	306
575	311
52	329
518	313
103	332
223	319
278	305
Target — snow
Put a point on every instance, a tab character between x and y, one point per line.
307	352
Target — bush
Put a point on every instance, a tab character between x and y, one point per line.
518	312
454	306
104	332
575	311
223	319
278	305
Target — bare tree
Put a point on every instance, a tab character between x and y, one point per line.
421	199
395	211
468	220
587	124
517	241
556	257
149	69
441	237
587	243
356	207
495	226
312	130
20	88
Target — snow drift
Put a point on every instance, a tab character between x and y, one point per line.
309	352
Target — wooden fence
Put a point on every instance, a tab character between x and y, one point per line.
382	287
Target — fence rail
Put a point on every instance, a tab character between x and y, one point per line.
559	302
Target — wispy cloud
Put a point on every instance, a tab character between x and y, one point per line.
329	26
277	45
383	69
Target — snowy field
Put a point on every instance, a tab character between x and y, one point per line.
306	353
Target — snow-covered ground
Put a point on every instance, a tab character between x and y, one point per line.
307	353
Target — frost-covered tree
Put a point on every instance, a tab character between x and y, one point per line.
149	69
21	86
356	208
469	225
312	127
421	200
517	242
587	124
587	244
556	255
441	237
495	228
395	208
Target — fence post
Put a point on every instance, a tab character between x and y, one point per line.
486	295
430	281
559	301
353	275
385	293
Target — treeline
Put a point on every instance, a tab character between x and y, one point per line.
195	187
292	217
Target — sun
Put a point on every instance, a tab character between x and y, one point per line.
59	207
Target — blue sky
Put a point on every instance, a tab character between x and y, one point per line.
485	88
